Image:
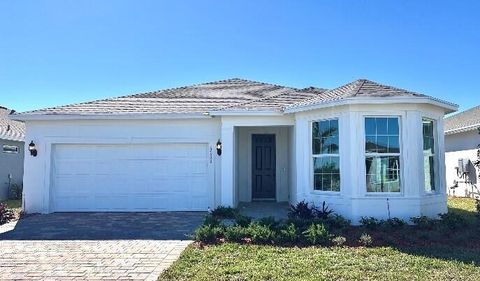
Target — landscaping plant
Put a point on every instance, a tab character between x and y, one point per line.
6	214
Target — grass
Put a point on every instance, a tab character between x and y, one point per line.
442	255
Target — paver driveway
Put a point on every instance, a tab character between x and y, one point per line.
89	246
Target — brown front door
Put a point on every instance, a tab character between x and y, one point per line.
263	166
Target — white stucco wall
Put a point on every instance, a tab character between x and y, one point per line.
353	201
462	141
462	145
231	184
47	133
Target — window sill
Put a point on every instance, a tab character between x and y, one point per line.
383	194
327	193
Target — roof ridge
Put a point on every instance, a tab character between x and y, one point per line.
360	86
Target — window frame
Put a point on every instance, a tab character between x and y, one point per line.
435	157
400	117
312	156
11	152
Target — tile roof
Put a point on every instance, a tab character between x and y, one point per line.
192	99
10	129
225	95
463	121
358	88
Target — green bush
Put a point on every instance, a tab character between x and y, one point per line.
477	206
6	214
338	222
224	212
365	240
16	191
423	222
302	210
288	233
269	222
317	234
235	233
260	234
339	241
242	220
370	222
323	213
393	223
208	234
453	220
211	220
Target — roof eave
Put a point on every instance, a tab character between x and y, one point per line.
246	113
447	106
104	116
462	129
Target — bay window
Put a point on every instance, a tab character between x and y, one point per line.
382	154
325	153
429	154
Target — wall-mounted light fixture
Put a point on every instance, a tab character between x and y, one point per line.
218	146
32	148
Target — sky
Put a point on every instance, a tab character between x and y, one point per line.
62	52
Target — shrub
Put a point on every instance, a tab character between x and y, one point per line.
6	214
323	213
370	222
235	233
243	220
453	220
15	191
365	240
288	234
393	223
260	234
339	241
302	210
224	212
211	220
423	222
269	222
338	222
317	234
208	233
477	206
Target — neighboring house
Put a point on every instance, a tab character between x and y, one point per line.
357	147
461	143
12	134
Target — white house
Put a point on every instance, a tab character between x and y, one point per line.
461	144
12	134
364	148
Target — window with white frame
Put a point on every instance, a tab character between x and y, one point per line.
428	127
325	153
10	149
382	154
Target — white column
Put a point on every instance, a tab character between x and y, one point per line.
227	165
301	159
412	153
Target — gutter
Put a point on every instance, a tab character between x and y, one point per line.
462	129
130	116
451	107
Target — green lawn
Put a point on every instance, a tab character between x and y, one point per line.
459	259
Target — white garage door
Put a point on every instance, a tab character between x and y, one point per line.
158	177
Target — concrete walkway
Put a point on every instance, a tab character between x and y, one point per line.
94	246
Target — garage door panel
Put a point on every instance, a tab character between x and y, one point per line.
153	177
